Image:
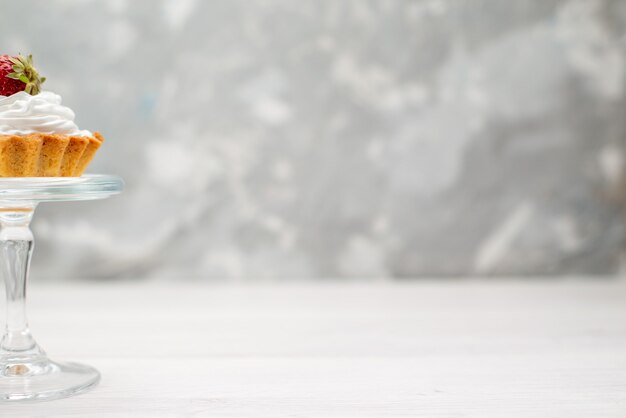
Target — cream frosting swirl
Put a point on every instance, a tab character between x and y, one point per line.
22	114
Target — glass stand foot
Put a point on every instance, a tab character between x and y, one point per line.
44	379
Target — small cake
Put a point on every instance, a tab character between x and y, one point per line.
38	136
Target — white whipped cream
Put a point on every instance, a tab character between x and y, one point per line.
22	114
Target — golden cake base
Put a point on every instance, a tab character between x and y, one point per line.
46	155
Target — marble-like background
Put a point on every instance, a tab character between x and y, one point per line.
265	139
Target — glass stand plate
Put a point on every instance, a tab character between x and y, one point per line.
26	372
49	189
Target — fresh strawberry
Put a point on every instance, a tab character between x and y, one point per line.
18	74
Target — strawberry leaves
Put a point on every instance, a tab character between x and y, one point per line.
24	71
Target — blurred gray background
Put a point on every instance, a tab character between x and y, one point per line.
273	139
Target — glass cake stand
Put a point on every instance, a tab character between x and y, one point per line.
26	373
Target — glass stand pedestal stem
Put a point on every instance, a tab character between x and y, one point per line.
26	373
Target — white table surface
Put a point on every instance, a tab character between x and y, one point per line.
422	349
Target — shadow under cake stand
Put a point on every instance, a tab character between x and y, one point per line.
26	373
